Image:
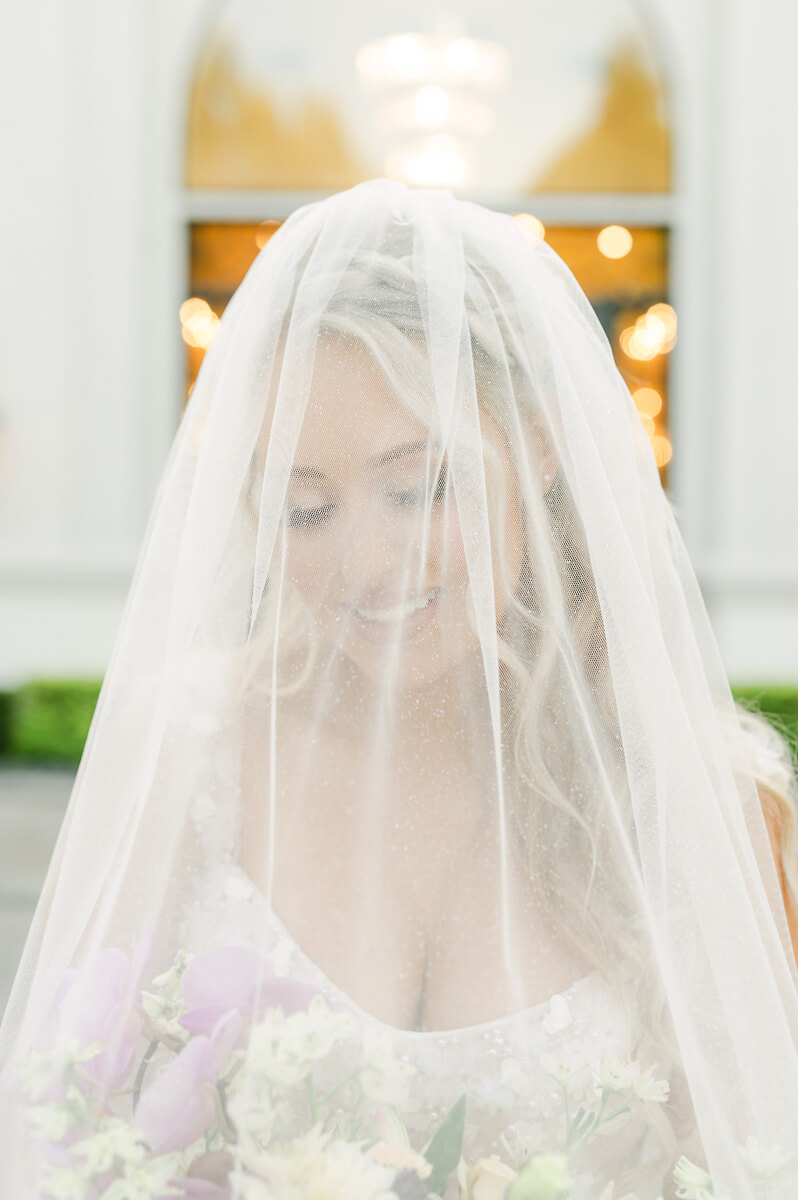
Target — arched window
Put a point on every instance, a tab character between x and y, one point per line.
555	111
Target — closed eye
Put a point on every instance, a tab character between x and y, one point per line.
420	496
299	518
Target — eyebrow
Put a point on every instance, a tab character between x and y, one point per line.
376	461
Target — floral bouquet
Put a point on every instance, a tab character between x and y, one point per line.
226	1081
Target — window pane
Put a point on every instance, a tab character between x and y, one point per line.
628	292
538	95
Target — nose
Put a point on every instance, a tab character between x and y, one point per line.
380	559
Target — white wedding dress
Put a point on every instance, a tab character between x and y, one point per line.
514	1107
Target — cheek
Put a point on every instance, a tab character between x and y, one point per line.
308	565
507	566
446	555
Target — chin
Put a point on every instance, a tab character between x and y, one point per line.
409	667
411	659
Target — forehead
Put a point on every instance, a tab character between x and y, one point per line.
353	412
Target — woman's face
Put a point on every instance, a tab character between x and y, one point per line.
372	535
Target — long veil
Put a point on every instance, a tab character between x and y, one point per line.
408	842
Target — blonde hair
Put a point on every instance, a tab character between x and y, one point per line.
757	747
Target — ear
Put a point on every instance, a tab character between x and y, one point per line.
549	461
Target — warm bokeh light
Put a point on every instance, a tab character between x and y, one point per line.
400	58
663	451
648	424
667	315
648	401
652	334
192	308
198	322
431	106
614	241
533	224
480	62
404	58
264	231
438	161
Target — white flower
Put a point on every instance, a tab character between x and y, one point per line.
114	1139
616	1075
169	982
163	1013
765	1162
655	1090
568	1061
252	1110
692	1181
384	1078
50	1122
313	1167
558	1016
146	1180
41	1068
141	1181
489	1179
63	1183
284	1049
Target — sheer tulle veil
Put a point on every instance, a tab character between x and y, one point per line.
414	656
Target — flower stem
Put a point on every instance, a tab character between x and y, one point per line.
228	1127
145	1062
329	1095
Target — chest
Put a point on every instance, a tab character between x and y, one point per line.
364	856
390	875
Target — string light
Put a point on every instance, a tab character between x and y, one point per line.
198	323
648	401
615	241
653	333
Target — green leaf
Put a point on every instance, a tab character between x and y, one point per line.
445	1148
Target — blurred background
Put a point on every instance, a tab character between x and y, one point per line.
149	150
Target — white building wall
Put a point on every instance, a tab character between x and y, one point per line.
92	97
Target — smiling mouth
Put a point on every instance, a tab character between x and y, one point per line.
395	615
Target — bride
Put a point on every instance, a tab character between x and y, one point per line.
416	849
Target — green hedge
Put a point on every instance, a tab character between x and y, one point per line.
47	720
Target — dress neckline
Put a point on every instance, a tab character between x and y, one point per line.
345	1000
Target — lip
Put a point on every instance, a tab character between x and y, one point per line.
384	631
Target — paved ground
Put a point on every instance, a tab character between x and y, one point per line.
32	804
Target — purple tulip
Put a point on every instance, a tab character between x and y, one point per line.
98	1003
180	1105
230	977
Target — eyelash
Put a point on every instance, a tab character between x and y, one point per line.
297	518
420	495
305	518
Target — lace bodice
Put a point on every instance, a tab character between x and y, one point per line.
507	1068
